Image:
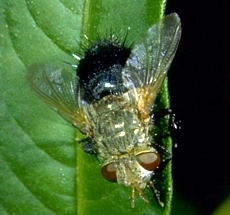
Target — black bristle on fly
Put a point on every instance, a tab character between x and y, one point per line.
101	55
100	67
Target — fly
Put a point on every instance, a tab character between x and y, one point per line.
111	98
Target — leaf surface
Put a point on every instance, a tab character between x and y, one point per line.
42	169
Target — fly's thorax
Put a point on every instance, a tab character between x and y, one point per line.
118	128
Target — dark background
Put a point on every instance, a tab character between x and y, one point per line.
199	84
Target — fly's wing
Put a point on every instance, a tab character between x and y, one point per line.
57	87
150	60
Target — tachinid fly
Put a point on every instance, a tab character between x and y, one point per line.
111	100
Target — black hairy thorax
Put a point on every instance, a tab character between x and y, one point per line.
100	69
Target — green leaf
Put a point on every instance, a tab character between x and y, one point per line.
223	208
42	169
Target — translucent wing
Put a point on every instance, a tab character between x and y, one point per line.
150	60
58	88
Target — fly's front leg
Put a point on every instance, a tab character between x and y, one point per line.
132	196
141	194
156	193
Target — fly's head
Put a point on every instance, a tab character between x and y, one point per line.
132	170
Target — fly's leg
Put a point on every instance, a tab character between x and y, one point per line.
132	196
141	194
156	193
160	132
88	146
165	155
173	123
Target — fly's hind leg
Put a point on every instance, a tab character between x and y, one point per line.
173	123
88	146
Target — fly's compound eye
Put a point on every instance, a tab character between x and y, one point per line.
109	172
149	161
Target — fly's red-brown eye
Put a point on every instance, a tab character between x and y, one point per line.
109	172
150	160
